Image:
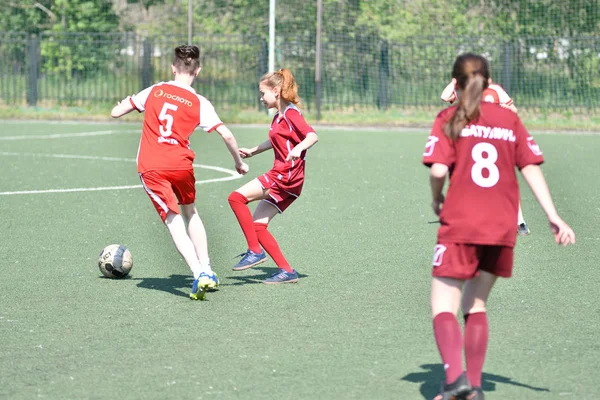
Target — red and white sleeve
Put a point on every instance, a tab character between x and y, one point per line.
209	120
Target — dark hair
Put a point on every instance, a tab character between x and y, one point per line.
285	82
187	59
472	74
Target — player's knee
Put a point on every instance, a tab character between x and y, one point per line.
260	226
473	308
237	197
188	210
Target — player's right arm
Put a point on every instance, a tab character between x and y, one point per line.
130	103
123	107
240	166
439	155
264	146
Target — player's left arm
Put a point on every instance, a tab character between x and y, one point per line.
306	134
123	107
310	139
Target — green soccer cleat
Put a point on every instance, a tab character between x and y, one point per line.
201	285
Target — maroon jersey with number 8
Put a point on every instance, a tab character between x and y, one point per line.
483	196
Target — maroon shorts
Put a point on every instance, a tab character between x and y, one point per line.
167	189
463	261
282	192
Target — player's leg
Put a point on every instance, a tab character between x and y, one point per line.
495	261
265	211
238	200
453	263
183	185
197	234
183	243
522	227
475	294
445	302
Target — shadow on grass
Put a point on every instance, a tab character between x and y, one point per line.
434	373
171	284
256	278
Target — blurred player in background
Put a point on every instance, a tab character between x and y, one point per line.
173	110
494	93
478	144
289	137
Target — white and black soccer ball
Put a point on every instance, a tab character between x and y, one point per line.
115	261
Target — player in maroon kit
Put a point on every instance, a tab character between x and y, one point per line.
289	137
173	110
478	144
494	93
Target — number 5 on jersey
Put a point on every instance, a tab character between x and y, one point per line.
164	116
485	163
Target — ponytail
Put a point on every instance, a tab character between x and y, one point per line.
284	80
289	87
469	104
472	74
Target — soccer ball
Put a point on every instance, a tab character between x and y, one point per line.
115	261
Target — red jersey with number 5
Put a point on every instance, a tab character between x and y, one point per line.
483	196
173	111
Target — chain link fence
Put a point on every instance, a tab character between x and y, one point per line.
560	73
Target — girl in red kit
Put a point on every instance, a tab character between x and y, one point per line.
289	137
494	93
479	144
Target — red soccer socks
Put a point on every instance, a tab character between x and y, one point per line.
268	242
476	341
448	337
238	203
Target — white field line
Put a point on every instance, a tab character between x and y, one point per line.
67	135
233	174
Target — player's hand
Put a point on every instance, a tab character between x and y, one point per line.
563	234
437	205
242	168
295	154
245	153
448	92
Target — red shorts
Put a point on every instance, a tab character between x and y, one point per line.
463	261
167	189
282	191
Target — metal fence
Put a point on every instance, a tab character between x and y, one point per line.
84	68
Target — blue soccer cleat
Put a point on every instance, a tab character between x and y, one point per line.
201	285
249	260
282	276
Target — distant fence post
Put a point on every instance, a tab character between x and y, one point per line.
507	66
263	65
147	63
384	68
33	67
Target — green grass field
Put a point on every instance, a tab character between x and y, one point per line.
357	326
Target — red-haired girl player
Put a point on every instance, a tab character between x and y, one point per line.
494	93
479	144
289	137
